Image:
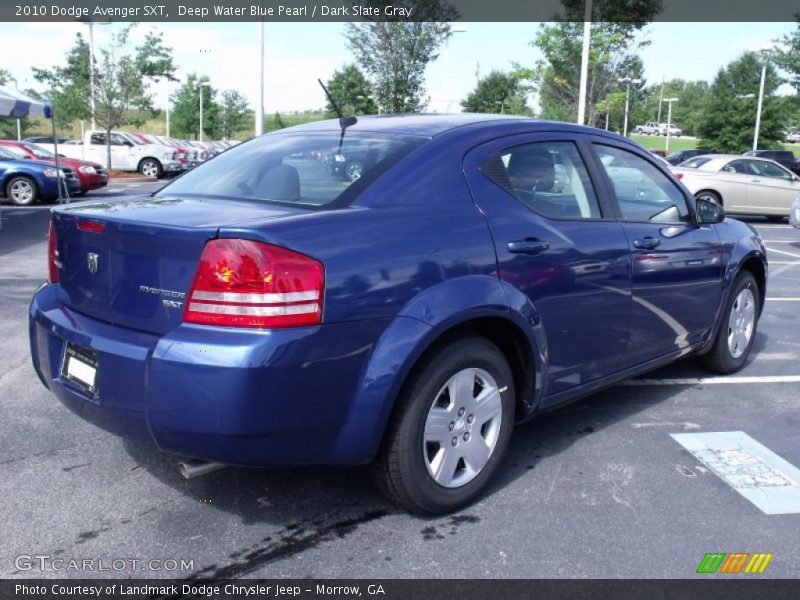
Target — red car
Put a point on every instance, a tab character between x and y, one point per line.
92	175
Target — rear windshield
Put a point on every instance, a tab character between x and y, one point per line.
308	169
693	163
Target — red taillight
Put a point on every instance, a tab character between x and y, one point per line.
679	176
241	283
91	226
52	254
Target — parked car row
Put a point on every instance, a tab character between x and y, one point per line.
150	155
28	174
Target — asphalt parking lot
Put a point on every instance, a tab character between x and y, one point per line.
597	489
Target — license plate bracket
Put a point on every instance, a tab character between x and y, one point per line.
79	367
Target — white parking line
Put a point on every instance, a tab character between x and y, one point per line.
794	241
715	380
783	252
750	468
773	299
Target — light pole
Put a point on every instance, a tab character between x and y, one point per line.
453	29
200	85
259	109
19	125
669	102
627	81
91	66
760	102
587	40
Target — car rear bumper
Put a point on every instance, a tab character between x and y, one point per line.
256	398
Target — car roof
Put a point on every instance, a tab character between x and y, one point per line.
473	127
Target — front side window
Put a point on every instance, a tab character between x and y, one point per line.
310	170
643	192
741	166
547	177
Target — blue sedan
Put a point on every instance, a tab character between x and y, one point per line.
262	310
25	181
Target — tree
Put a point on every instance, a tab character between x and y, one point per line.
612	56
186	108
394	53
68	86
235	114
497	93
728	118
8	128
351	91
787	55
123	77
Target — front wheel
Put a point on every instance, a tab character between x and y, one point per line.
150	167
451	428
738	328
22	191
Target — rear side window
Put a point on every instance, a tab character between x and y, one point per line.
766	169
643	192
547	177
309	170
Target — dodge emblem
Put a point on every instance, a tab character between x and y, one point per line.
91	262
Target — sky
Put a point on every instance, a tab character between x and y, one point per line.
296	54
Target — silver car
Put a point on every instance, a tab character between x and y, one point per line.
794	214
742	184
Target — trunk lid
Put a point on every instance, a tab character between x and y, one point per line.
137	271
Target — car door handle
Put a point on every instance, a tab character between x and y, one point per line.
755	180
647	243
527	246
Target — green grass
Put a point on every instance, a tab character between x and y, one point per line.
653	142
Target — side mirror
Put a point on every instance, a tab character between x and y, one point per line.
709	212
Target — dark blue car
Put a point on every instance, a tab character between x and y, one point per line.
25	182
261	310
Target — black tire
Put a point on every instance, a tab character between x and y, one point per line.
22	191
709	195
150	167
720	359
400	471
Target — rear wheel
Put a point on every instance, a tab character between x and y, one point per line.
738	328
710	196
451	428
150	167
22	191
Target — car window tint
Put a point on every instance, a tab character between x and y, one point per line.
98	138
643	192
548	177
311	170
766	169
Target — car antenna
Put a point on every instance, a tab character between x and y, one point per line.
344	122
